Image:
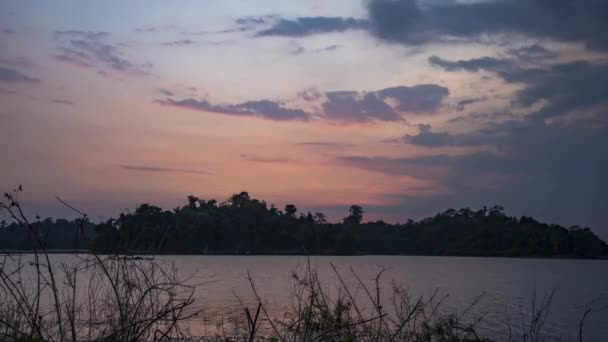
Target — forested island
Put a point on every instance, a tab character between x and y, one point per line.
244	225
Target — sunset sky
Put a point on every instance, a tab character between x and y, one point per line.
404	107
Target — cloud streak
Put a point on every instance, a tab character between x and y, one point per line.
90	49
181	42
300	50
267	160
7	91
427	138
261	108
63	102
144	168
307	26
324	144
8	75
89	35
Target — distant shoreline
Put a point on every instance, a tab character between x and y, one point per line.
60	251
248	226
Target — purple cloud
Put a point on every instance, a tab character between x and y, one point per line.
300	50
259	159
306	26
337	106
165	92
90	35
324	144
18	62
7	91
154	29
460	105
63	101
13	76
89	49
144	168
262	108
351	106
181	42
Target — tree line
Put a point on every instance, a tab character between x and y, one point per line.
245	225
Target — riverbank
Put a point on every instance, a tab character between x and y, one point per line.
294	253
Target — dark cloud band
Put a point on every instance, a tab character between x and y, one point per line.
406	21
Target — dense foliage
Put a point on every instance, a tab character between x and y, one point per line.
244	225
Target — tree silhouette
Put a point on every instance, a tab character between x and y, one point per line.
245	225
239	200
192	201
290	210
355	215
319	218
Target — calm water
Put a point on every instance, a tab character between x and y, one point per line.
508	284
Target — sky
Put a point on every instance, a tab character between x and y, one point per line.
405	107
